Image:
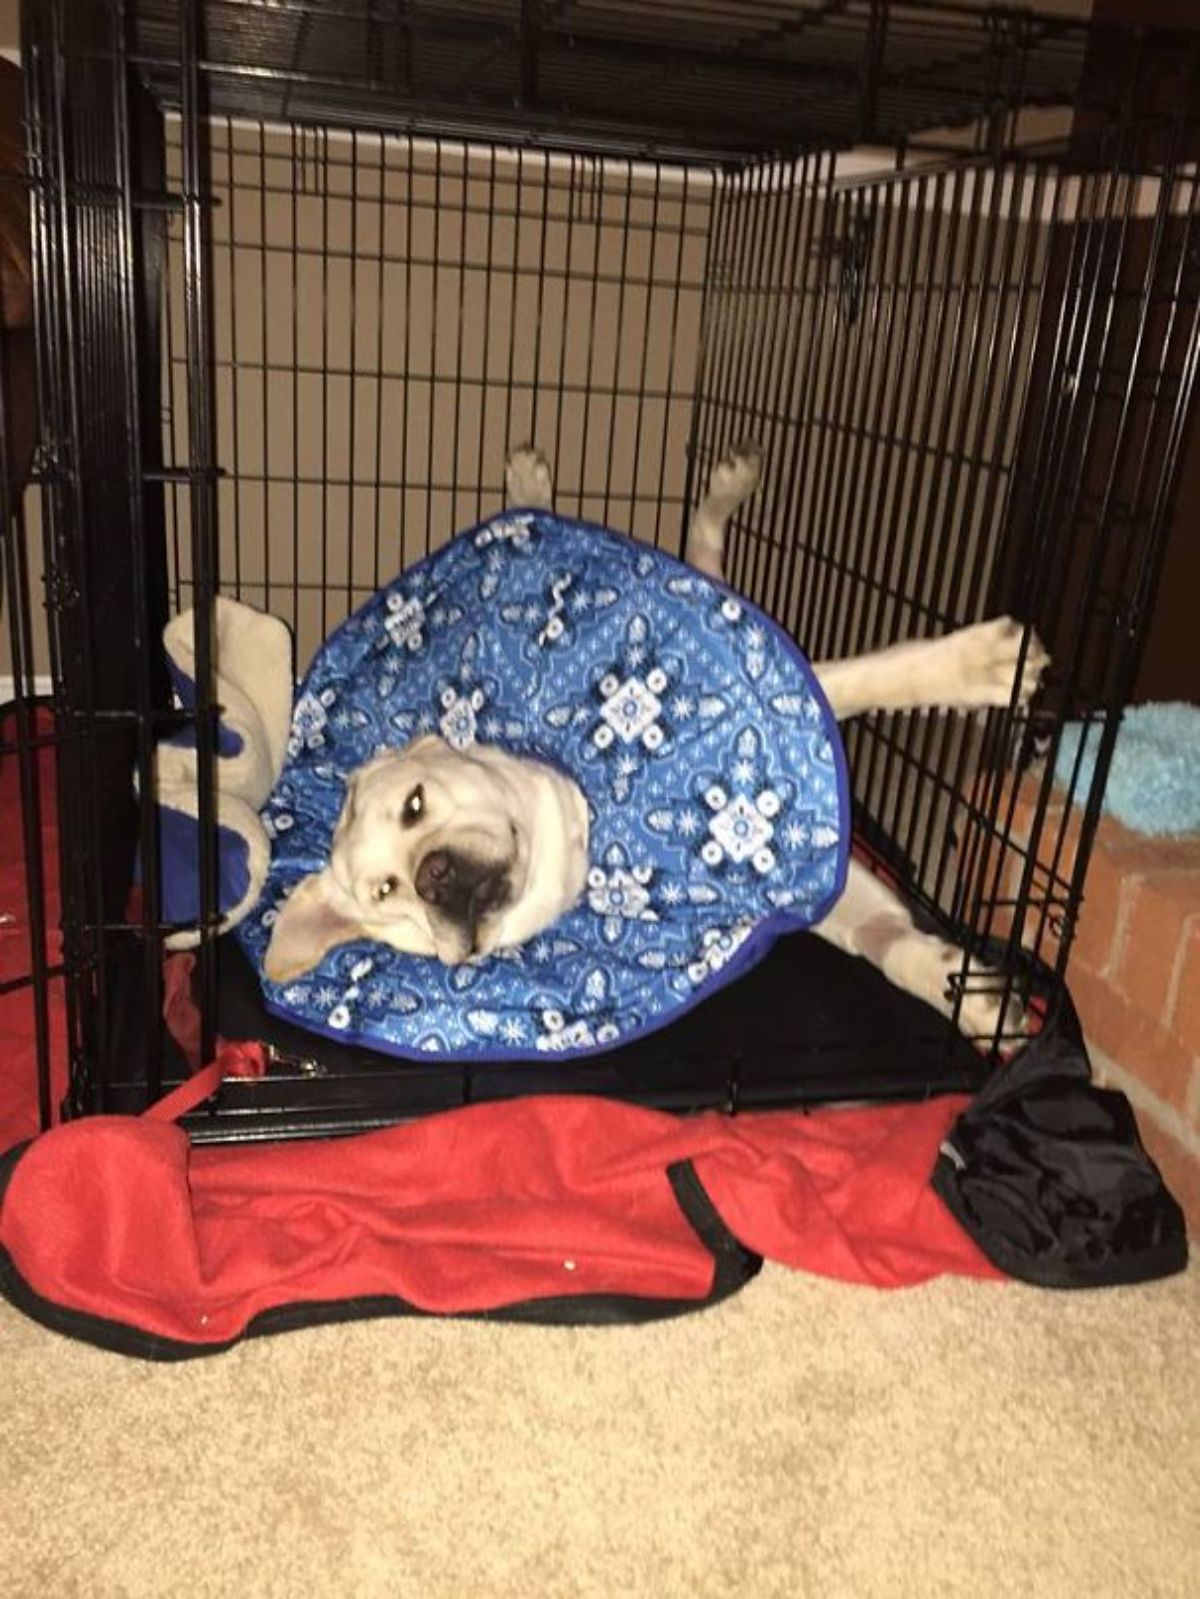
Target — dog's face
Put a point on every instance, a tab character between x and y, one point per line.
431	848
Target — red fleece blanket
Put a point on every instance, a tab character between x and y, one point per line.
540	1201
114	1224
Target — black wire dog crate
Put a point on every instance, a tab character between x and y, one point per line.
305	270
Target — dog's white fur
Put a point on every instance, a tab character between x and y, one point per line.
523	826
517	821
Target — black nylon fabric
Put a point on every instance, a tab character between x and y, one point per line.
1048	1174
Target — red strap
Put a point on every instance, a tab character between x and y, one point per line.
235	1060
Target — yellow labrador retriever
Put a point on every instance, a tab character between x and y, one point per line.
454	853
440	852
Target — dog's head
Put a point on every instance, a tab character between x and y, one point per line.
431	847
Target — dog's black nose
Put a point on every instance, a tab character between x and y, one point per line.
435	875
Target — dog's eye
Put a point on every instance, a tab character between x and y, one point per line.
414	807
387	887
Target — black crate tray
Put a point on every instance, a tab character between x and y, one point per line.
807	1026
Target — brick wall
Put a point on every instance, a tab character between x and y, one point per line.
1134	976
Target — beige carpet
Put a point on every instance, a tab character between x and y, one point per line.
803	1439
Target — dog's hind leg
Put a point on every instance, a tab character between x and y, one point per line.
974	667
871	921
734	479
528	481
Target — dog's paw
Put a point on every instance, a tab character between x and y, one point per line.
984	665
527	478
736	476
931	969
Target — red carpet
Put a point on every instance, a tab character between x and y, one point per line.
18	1056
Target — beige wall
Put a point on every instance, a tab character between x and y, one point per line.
389	318
10	26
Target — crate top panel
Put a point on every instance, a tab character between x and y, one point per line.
680	78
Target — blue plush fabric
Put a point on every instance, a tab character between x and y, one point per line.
1154	779
178	874
712	765
228	741
178	834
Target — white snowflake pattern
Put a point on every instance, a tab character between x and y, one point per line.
561	1034
578	1035
718	947
405	622
683	706
554	627
620	893
689	823
309	720
631	709
742	832
513	529
459	716
280	822
512	1030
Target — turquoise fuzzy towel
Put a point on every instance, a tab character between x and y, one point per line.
1154	781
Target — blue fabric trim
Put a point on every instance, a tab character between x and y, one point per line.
229	743
178	874
710	759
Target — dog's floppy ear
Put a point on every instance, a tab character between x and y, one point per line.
349	805
314	918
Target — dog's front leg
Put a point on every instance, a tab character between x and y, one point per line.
974	667
871	921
